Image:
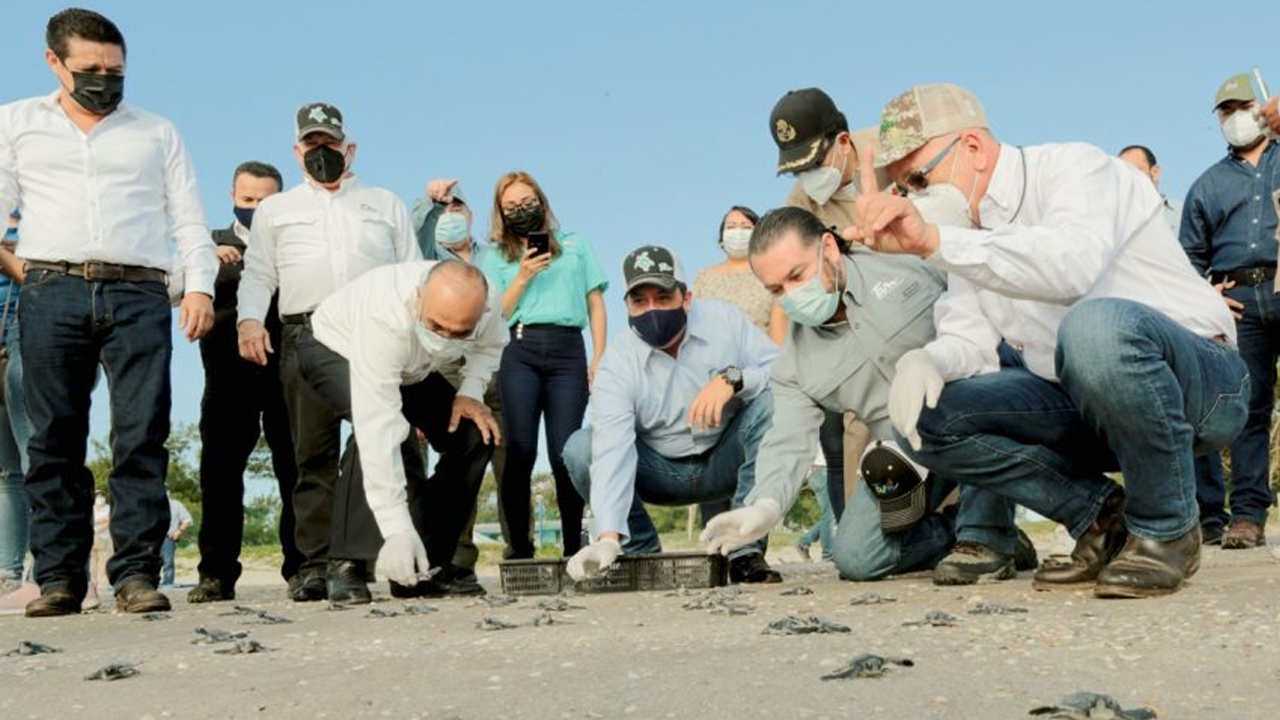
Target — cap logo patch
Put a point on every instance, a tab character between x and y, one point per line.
784	131
642	262
318	114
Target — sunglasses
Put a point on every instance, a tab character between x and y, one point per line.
917	180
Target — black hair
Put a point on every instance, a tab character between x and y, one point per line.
84	24
1146	153
259	170
748	212
780	221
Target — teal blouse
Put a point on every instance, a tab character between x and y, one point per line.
557	295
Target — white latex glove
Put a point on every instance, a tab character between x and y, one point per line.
916	383
594	558
729	531
403	558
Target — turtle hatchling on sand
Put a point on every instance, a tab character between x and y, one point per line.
418	610
995	608
31	647
792	625
867	665
492	623
114	671
209	636
1091	706
798	590
872	598
154	616
380	613
558	605
243	647
935	618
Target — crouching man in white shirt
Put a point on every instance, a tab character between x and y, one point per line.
1130	358
421	340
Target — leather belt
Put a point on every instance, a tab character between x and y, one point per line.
100	272
1251	276
298	319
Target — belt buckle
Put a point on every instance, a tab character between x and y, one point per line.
93	272
1256	275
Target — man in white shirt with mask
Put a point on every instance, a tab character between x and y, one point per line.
419	342
308	242
1130	360
103	186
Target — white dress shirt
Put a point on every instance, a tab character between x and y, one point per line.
1069	224
308	242
370	322
108	195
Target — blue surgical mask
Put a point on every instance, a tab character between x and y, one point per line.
243	215
657	328
811	304
452	229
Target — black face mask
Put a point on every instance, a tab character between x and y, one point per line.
525	220
324	164
659	327
244	215
99	94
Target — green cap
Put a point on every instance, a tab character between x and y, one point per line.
923	113
1237	87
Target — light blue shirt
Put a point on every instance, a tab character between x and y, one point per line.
642	394
557	295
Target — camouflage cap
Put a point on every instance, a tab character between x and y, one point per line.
1237	87
922	113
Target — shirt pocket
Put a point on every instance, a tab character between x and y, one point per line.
297	231
377	239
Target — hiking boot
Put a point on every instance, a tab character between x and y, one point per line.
1211	533
1094	549
54	600
308	586
971	562
752	568
347	584
1149	568
138	594
211	589
1243	535
1024	553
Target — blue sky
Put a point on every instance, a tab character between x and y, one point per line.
644	121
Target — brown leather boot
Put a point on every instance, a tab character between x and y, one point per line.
54	600
137	594
1094	549
1149	568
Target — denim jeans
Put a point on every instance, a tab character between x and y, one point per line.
1138	393
1211	491
822	531
70	326
1259	339
726	471
543	370
863	552
15	431
168	549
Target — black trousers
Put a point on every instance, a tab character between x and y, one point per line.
242	401
439	505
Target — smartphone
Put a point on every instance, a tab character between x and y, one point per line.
540	242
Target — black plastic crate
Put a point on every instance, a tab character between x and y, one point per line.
663	571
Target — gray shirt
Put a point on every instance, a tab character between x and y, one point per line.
844	367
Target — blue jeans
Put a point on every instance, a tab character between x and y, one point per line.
168	549
15	431
1138	393
543	370
1259	339
862	551
726	471
823	530
69	327
1211	491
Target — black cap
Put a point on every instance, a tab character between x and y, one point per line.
652	265
799	122
898	484
320	117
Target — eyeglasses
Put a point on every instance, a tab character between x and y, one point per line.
527	206
917	180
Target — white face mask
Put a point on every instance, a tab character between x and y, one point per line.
736	241
821	183
1241	128
943	204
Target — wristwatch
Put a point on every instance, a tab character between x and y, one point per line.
733	376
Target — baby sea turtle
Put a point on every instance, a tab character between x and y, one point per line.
995	608
493	623
558	605
209	636
867	665
266	618
547	618
872	598
1091	706
418	610
243	647
379	613
792	625
731	608
114	671
240	610
154	616
31	647
935	618
496	601
798	590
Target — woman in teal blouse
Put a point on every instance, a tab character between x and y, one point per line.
547	299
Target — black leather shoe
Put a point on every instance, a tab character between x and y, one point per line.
346	583
138	594
752	569
449	582
308	586
1094	549
211	590
1024	553
1149	568
54	600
